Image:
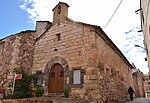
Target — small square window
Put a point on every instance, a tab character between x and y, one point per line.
108	72
58	37
39	79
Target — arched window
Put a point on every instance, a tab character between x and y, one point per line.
59	9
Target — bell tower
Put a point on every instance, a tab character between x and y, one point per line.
60	12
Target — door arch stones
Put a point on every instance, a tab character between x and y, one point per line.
47	69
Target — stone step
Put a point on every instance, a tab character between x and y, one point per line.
55	94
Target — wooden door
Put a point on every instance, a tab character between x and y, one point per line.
56	79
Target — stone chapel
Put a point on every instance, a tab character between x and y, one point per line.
68	54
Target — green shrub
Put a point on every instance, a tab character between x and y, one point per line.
148	94
66	92
39	90
23	86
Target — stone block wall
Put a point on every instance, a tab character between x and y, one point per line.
17	53
74	46
77	47
107	75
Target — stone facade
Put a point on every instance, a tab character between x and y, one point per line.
147	85
104	72
17	52
138	80
145	24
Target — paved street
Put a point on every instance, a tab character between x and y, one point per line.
139	100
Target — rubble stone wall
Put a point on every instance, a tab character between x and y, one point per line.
138	84
114	73
17	53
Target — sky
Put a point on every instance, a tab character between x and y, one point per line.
21	15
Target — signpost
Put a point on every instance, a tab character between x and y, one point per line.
17	76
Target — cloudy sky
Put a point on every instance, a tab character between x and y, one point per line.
20	15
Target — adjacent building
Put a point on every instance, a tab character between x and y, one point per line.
68	54
147	85
138	81
145	24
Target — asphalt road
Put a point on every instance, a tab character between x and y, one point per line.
139	100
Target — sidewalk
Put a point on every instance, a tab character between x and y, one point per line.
139	100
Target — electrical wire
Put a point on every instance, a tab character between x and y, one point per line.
113	14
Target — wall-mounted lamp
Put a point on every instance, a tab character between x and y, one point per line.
142	48
139	46
138	10
145	59
140	30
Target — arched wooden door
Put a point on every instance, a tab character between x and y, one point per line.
56	79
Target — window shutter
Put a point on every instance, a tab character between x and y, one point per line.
82	75
71	76
77	76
